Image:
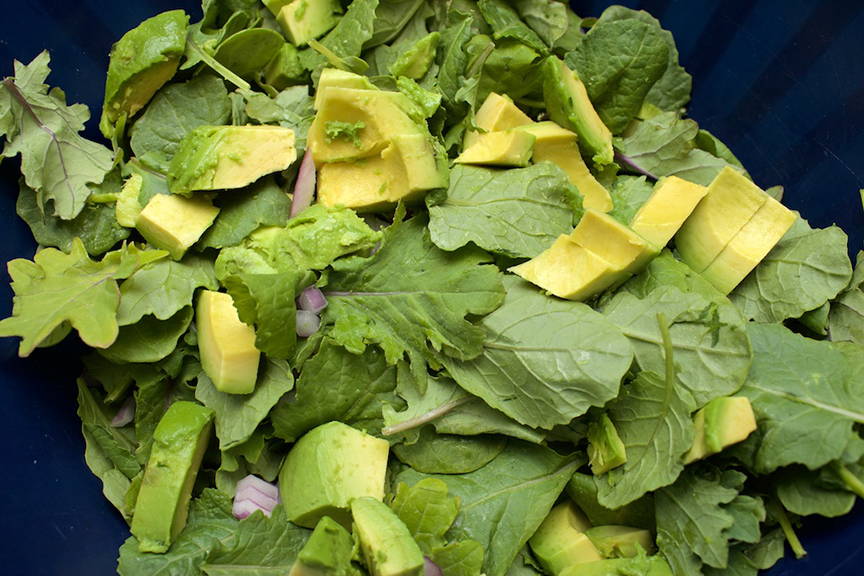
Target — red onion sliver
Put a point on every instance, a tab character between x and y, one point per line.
430	568
256	496
125	414
244	508
307	323
262	486
304	187
252	494
312	300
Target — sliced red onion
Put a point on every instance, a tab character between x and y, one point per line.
312	300
252	494
125	414
304	186
430	568
307	323
266	488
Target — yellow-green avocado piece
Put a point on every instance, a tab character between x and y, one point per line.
621	541
642	565
568	105
226	345
559	146
605	448
415	62
327	468
560	540
570	271
141	62
671	202
328	552
505	148
227	157
747	248
387	544
305	20
335	78
497	113
732	199
174	223
613	241
722	422
179	443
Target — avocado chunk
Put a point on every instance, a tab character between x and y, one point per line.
174	223
558	145
506	148
671	202
582	488
285	69
605	448
497	113
333	77
305	20
327	468
127	207
570	271
328	552
226	344
613	241
568	105
642	565
747	248
621	541
560	540
226	157
387	544
415	62
179	443
721	423
731	201
141	62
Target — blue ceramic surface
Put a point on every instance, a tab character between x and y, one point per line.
780	82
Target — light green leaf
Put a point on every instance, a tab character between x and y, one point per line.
149	339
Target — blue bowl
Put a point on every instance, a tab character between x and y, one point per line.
781	83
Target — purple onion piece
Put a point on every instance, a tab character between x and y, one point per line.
430	568
307	323
256	483
304	187
244	508
312	300
253	494
125	414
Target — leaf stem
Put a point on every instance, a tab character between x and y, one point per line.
425	417
786	525
218	67
852	482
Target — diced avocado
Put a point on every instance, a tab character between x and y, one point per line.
671	202
558	145
605	448
621	541
405	170
127	208
568	105
415	62
226	344
328	551
613	241
570	271
305	20
387	544
226	157
141	62
335	78
582	488
179	443
497	113
641	565
722	422
327	468
285	69
174	223
731	201
560	540
749	246
275	5
505	148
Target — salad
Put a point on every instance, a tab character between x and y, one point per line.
400	318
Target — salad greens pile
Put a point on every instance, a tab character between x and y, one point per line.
485	387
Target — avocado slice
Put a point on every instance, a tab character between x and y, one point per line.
560	540
642	565
613	241
174	223
731	201
327	468
721	423
305	20
671	202
227	157
333	77
387	544
141	62
415	62
749	246
568	105
505	148
621	541
497	113
179	443
605	448
226	345
285	69
328	552
582	488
